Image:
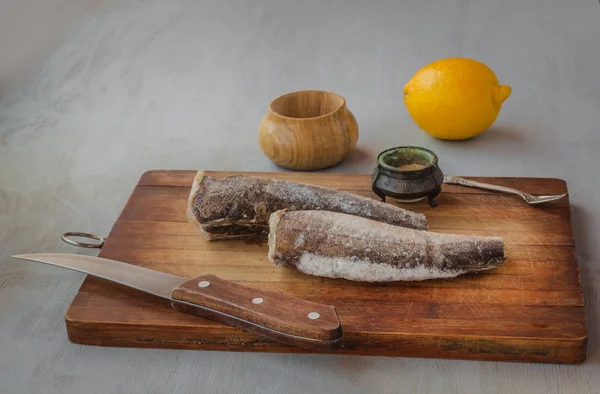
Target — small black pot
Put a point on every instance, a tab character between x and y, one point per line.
407	173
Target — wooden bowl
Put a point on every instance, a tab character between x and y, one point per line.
308	130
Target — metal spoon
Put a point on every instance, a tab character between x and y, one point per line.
529	199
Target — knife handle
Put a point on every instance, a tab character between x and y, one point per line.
277	316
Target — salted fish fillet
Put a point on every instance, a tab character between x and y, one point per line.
239	206
337	245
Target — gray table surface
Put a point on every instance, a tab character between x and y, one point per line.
94	93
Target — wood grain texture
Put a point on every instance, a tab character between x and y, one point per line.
308	130
276	316
529	309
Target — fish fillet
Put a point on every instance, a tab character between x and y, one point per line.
338	245
239	206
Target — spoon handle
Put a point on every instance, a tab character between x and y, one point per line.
455	180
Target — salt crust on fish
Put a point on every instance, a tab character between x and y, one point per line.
239	206
337	245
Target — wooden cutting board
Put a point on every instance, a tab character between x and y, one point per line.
530	309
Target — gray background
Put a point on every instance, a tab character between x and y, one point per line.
93	93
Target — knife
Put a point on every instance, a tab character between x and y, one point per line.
280	317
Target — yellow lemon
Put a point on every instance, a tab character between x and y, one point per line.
454	98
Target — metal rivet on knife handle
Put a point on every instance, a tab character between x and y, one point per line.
277	316
282	319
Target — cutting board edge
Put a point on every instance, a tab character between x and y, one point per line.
149	173
147	176
573	351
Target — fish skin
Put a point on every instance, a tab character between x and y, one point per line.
239	206
338	245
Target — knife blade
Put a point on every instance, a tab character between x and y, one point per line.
277	316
